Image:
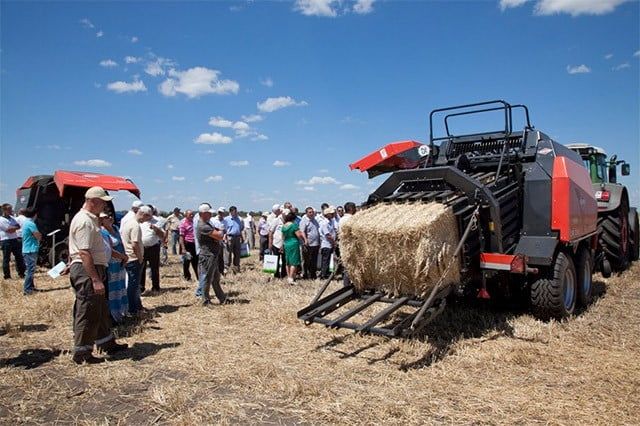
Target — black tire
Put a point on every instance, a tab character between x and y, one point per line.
554	296
584	269
605	268
634	235
62	254
613	228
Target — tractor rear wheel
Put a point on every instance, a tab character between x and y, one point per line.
554	296
613	227
634	235
584	267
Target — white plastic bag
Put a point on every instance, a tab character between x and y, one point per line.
270	264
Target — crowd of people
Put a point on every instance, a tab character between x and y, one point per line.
108	265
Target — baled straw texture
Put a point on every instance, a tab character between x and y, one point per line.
402	249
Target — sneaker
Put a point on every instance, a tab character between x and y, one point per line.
82	358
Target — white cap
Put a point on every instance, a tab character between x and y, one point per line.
264	214
137	204
329	210
275	208
204	208
97	192
145	210
222	210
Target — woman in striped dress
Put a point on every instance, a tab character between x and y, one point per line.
116	273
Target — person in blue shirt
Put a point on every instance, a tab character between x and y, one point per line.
234	227
30	245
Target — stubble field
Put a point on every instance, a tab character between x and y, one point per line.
254	362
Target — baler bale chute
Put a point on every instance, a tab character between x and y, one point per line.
523	215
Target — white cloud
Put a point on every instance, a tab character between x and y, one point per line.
579	69
178	178
131	59
216	178
134	151
316	7
99	33
158	65
108	63
92	163
349	186
267	82
56	147
124	87
362	7
309	188
608	56
571	7
637	53
196	82
576	7
274	104
621	66
506	4
241	163
252	118
260	137
170	166
86	23
134	39
279	163
319	180
213	138
228	124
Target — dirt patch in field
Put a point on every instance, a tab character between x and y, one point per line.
254	362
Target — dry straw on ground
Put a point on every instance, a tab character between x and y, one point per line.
256	363
403	249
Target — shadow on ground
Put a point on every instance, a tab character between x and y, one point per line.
140	351
30	358
461	319
22	328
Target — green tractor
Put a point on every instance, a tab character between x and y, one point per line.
619	233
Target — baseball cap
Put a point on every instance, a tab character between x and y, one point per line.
329	210
146	210
264	214
275	207
204	208
137	204
97	192
222	210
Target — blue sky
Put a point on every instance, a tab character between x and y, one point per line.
252	103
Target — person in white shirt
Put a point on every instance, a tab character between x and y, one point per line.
350	210
327	241
21	219
263	233
250	231
9	227
131	214
152	237
276	242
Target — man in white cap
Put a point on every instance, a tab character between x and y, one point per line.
134	249
219	222
131	214
92	324
327	241
210	249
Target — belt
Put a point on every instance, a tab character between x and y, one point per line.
233	235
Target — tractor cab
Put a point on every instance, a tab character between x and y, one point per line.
601	169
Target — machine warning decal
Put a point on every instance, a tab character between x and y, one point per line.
544	151
383	153
423	150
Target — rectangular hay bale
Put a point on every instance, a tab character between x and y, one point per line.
402	249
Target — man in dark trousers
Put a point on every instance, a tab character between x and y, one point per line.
91	321
234	228
209	240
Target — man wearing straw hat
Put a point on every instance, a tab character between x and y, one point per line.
91	324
